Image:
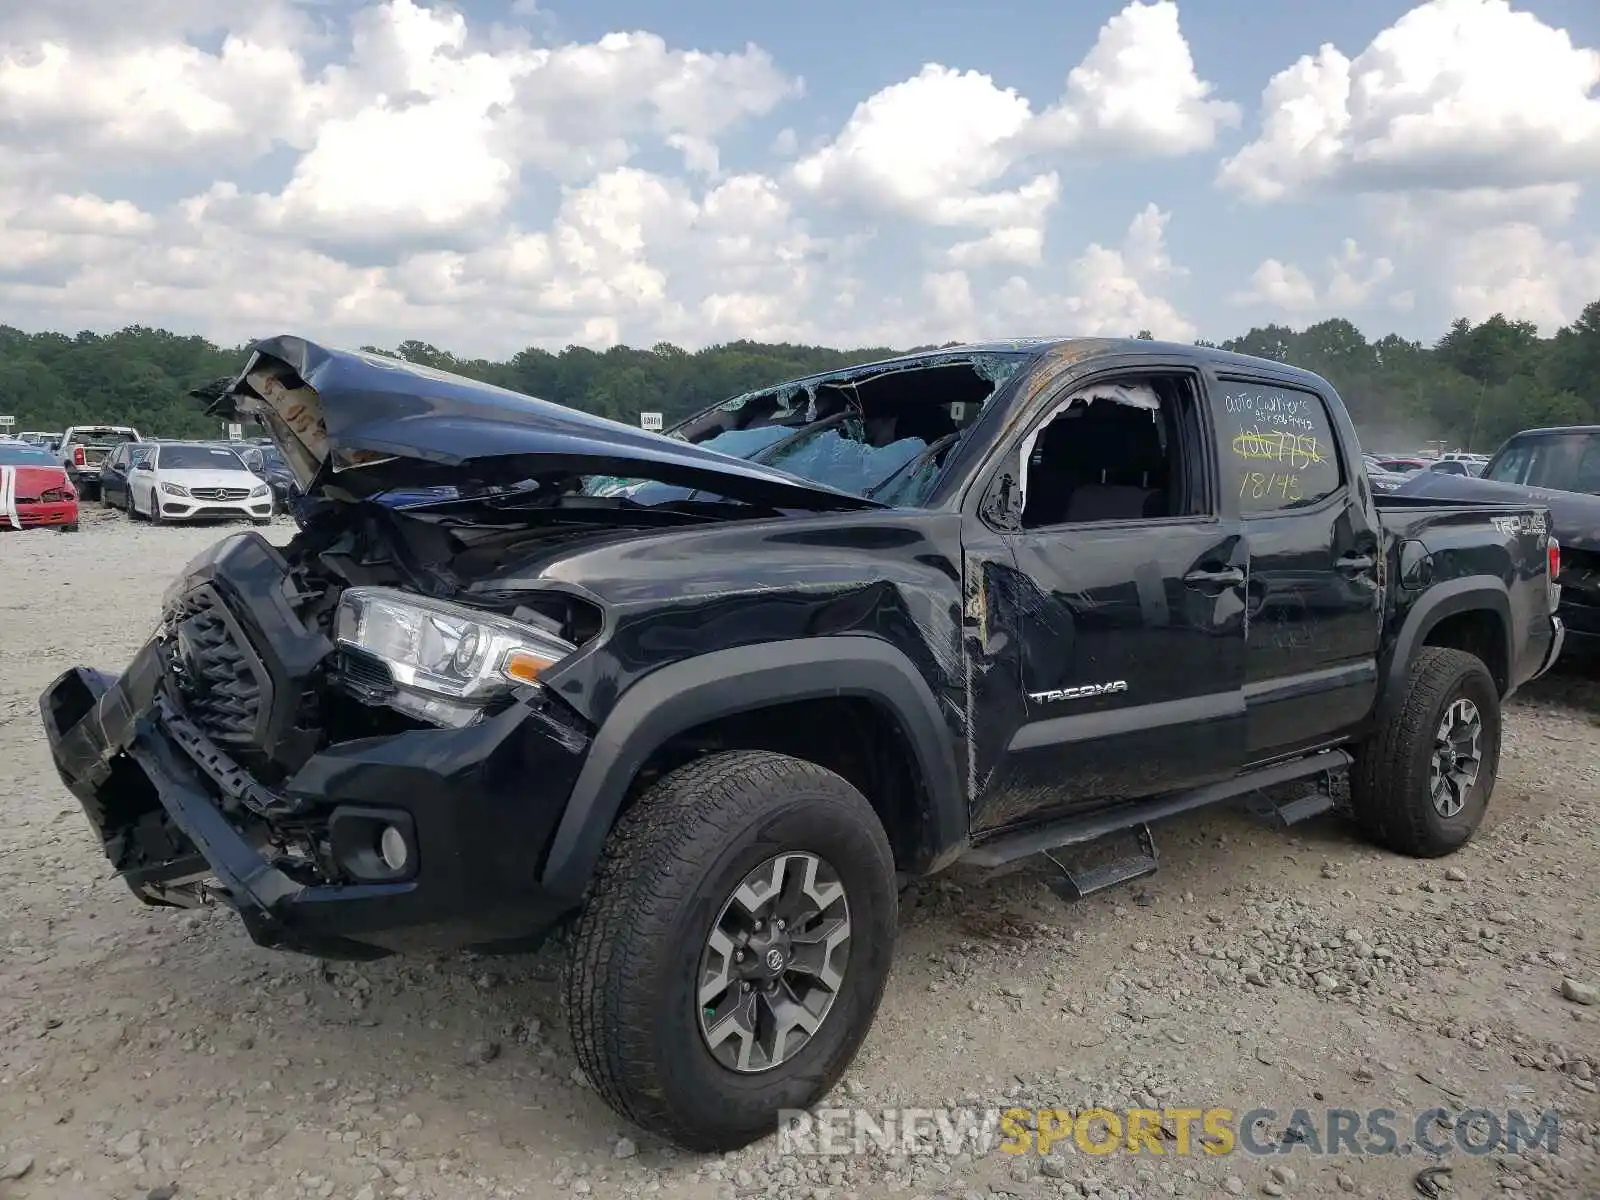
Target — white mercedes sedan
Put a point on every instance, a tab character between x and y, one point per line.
185	481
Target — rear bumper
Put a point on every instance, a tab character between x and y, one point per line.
1558	640
476	806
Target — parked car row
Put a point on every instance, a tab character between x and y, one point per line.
1388	472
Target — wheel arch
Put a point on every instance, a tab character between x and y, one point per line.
727	684
1472	614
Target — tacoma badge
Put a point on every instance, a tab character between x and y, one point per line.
1079	693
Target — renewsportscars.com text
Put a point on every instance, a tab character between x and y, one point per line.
1176	1131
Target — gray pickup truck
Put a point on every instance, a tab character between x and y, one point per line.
85	447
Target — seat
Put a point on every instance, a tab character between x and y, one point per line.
1104	462
1129	481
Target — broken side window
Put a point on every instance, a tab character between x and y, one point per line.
1111	452
882	435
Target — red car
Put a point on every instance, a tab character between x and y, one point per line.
34	490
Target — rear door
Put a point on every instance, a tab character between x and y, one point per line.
1314	608
114	477
1127	611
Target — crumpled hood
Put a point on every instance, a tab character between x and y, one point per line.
352	425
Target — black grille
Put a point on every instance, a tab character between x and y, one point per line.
219	677
219	493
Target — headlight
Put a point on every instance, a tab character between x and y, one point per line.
173	489
446	661
259	491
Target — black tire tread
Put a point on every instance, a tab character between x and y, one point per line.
1383	791
642	880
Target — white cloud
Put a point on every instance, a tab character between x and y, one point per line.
950	294
1490	251
1280	285
946	147
1137	91
413	74
150	102
425	152
1021	245
1112	291
1352	279
928	148
1456	94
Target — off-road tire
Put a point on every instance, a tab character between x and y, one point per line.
634	952
1389	784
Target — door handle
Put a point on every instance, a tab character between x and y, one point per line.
1225	577
1355	564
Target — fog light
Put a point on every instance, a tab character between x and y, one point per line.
393	849
374	845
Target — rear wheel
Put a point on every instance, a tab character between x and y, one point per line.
733	949
1422	784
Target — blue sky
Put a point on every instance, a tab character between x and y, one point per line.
806	183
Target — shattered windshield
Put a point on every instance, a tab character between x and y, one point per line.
880	435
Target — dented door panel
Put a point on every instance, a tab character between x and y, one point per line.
1131	677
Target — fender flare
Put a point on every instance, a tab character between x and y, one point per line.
726	682
1440	601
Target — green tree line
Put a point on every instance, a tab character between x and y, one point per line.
1471	388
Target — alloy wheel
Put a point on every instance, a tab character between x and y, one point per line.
774	962
1457	757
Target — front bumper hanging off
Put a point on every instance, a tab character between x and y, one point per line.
182	823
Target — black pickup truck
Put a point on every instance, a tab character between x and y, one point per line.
1559	468
701	700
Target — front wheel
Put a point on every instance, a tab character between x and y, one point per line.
733	949
1422	784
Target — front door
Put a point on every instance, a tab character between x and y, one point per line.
1125	595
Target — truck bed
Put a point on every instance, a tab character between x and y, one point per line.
1408	516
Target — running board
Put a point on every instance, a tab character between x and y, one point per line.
1292	812
1075	831
1073	885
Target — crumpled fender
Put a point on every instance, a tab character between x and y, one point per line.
689	693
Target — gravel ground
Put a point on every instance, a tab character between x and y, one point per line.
146	1050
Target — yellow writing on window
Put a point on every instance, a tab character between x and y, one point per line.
1270	485
1294	450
